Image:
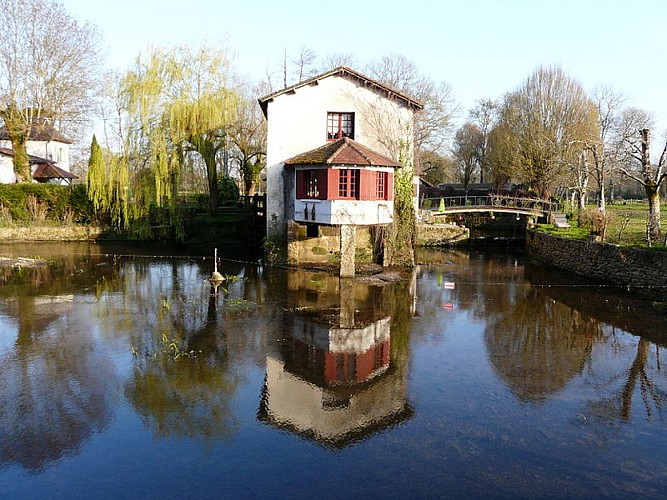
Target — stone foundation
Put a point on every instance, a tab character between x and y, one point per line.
325	247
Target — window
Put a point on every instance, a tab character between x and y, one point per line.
310	184
340	125
348	184
311	181
381	186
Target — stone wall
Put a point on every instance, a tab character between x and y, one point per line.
429	235
325	247
643	270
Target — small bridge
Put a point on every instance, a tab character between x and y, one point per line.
489	203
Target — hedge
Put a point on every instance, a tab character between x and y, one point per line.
56	203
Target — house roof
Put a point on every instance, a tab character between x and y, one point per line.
344	72
344	151
46	169
40	131
50	171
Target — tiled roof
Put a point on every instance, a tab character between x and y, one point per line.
46	169
50	171
344	151
345	72
42	131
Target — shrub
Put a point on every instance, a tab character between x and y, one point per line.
228	189
596	220
32	202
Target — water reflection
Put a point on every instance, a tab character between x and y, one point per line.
56	386
336	374
605	318
106	357
538	345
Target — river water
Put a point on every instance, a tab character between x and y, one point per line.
124	373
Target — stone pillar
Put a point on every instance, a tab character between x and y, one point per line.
347	304
348	245
292	243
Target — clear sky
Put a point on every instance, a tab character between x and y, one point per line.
482	48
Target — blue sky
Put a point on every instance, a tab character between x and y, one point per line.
482	48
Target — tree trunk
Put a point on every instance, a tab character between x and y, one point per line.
602	203
213	193
206	147
18	135
651	187
21	163
653	222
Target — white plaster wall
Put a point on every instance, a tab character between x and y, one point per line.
6	170
297	122
51	150
342	340
355	212
359	340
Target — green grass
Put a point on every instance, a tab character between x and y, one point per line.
626	226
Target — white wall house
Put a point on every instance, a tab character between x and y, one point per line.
49	155
307	127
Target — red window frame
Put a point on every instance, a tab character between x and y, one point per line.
340	125
381	185
348	184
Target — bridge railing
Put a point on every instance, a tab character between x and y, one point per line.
490	201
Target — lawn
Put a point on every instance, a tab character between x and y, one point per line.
626	225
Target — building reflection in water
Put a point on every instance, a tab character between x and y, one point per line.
331	376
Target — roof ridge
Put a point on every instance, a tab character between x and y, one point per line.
344	143
358	148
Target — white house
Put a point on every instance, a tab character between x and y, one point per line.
333	144
48	152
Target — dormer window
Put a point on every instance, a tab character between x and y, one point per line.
340	125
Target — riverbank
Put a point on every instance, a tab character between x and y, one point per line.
641	270
51	233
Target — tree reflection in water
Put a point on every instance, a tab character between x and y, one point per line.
182	382
538	345
57	387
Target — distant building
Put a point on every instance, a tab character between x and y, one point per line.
48	152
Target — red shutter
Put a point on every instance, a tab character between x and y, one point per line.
300	184
322	183
390	186
366	185
332	184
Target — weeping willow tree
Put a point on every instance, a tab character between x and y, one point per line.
180	104
108	185
176	104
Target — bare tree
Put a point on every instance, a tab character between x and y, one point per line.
338	59
304	64
649	177
466	150
48	72
247	134
484	115
434	125
546	124
605	150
